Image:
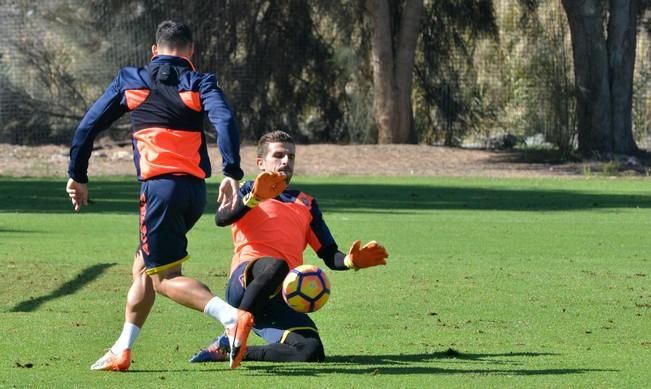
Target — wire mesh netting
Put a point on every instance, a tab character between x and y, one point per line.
303	66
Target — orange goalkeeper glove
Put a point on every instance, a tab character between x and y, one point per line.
372	254
267	185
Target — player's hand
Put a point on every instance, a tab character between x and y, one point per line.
78	193
371	254
228	193
268	185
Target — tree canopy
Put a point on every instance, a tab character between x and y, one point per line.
361	71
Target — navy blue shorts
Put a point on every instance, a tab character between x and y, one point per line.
169	207
277	319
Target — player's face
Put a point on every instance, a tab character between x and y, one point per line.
279	158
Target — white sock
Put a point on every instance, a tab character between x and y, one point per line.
220	310
127	338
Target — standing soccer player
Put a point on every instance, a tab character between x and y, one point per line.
272	225
167	100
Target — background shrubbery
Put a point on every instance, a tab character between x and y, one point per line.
483	69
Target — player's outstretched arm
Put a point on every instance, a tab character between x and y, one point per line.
371	254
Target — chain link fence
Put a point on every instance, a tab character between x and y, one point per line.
59	55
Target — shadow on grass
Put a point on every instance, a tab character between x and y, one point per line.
401	364
113	196
16	231
85	277
448	354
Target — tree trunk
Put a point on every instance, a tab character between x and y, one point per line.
603	71
621	57
591	74
406	55
384	83
392	60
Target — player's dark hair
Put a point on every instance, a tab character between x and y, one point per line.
272	137
173	34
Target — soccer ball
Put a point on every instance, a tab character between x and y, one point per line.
306	288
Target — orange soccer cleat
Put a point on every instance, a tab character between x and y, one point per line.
113	362
237	336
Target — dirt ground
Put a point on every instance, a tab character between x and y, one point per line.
326	160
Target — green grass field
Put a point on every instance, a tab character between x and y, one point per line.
490	283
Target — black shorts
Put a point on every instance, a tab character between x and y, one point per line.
169	207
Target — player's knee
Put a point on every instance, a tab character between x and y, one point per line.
163	281
158	285
312	350
279	270
270	270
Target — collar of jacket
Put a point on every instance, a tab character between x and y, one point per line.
173	60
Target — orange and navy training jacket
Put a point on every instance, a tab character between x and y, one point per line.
167	100
281	228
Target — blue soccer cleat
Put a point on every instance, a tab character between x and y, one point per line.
217	351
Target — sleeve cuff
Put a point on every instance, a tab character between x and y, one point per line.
233	172
348	261
82	179
250	201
